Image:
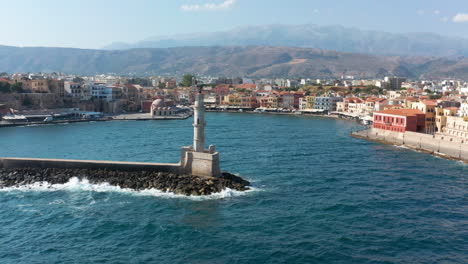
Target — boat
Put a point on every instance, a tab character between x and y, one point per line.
15	118
48	119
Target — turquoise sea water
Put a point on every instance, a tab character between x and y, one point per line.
320	197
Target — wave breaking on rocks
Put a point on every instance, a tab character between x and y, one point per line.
187	185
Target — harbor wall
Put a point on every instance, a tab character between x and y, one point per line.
11	163
440	145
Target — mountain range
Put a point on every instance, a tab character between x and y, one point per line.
338	38
230	61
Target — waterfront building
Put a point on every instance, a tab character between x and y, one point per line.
289	100
354	105
73	89
456	127
327	103
100	91
271	101
306	102
232	100
310	101
375	104
400	120
249	102
342	106
302	103
441	116
35	86
428	108
158	108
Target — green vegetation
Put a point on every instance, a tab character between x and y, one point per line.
161	85
140	81
370	89
187	80
11	88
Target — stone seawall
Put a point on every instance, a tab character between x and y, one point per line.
440	145
132	175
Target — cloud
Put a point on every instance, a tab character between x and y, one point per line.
420	12
316	11
436	12
209	6
460	18
445	19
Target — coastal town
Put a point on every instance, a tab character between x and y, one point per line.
391	103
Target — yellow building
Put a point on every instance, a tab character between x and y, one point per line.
457	127
441	116
232	100
310	101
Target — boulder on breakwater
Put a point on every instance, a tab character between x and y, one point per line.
136	180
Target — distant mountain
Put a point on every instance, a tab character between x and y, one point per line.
229	61
337	38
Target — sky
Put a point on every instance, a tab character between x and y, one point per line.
97	23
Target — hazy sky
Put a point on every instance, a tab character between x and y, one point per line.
96	23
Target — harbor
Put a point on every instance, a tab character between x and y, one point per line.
197	173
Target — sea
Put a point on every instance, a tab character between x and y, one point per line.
318	196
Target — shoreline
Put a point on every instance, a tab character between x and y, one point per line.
332	116
425	143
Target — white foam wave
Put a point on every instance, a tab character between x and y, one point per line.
77	185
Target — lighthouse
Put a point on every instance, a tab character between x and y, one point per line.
197	160
199	122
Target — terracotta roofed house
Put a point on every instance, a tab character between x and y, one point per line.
400	120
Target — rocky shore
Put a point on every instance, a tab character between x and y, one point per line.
136	180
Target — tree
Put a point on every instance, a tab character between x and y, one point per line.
140	81
161	85
187	80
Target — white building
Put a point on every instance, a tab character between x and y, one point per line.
73	89
463	110
100	91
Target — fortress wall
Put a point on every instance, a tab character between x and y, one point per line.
11	163
440	145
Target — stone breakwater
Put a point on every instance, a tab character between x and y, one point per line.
136	180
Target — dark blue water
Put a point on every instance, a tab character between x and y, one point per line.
322	197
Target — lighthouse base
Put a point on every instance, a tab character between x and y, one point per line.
200	163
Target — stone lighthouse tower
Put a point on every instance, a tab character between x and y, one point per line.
199	122
197	160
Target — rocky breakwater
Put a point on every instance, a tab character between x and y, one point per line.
136	180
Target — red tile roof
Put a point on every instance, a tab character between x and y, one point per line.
401	112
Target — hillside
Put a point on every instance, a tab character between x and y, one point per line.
228	61
339	38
